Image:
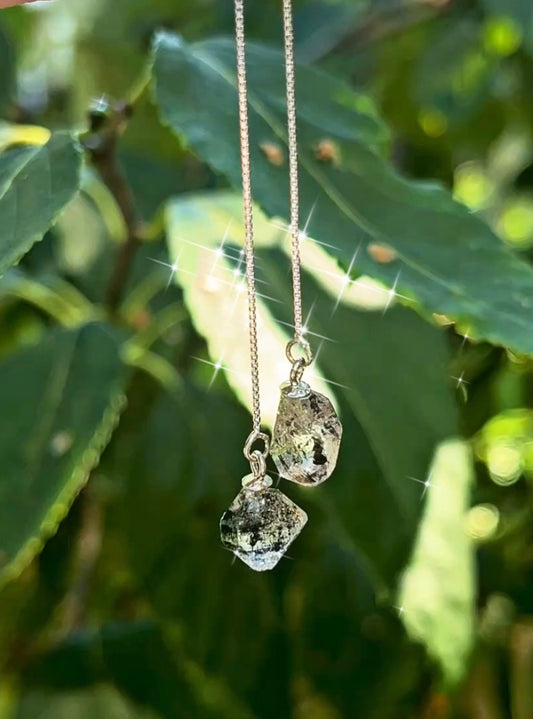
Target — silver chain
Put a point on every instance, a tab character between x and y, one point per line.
294	192
244	132
249	233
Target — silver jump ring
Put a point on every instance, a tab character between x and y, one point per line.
258	464
297	372
305	348
255	437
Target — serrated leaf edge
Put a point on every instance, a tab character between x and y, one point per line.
16	258
78	479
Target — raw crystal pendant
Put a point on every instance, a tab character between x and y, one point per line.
307	435
260	524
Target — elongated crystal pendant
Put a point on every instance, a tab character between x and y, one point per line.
260	524
307	435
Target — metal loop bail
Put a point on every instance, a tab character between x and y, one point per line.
297	372
254	437
306	356
258	464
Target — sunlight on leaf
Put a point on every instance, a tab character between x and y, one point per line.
437	595
205	239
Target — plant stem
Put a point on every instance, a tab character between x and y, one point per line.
102	148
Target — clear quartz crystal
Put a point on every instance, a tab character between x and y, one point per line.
307	435
260	524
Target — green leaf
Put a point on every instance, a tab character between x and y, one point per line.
191	81
7	70
442	256
437	596
53	296
391	426
216	297
35	185
60	402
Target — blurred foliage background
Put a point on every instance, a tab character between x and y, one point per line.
123	360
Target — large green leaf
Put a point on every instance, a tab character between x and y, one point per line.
60	402
388	371
35	185
444	257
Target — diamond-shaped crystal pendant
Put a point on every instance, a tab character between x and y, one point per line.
260	524
307	435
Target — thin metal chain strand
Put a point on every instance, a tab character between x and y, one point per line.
294	195
248	209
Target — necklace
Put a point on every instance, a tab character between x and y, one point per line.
261	522
307	431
